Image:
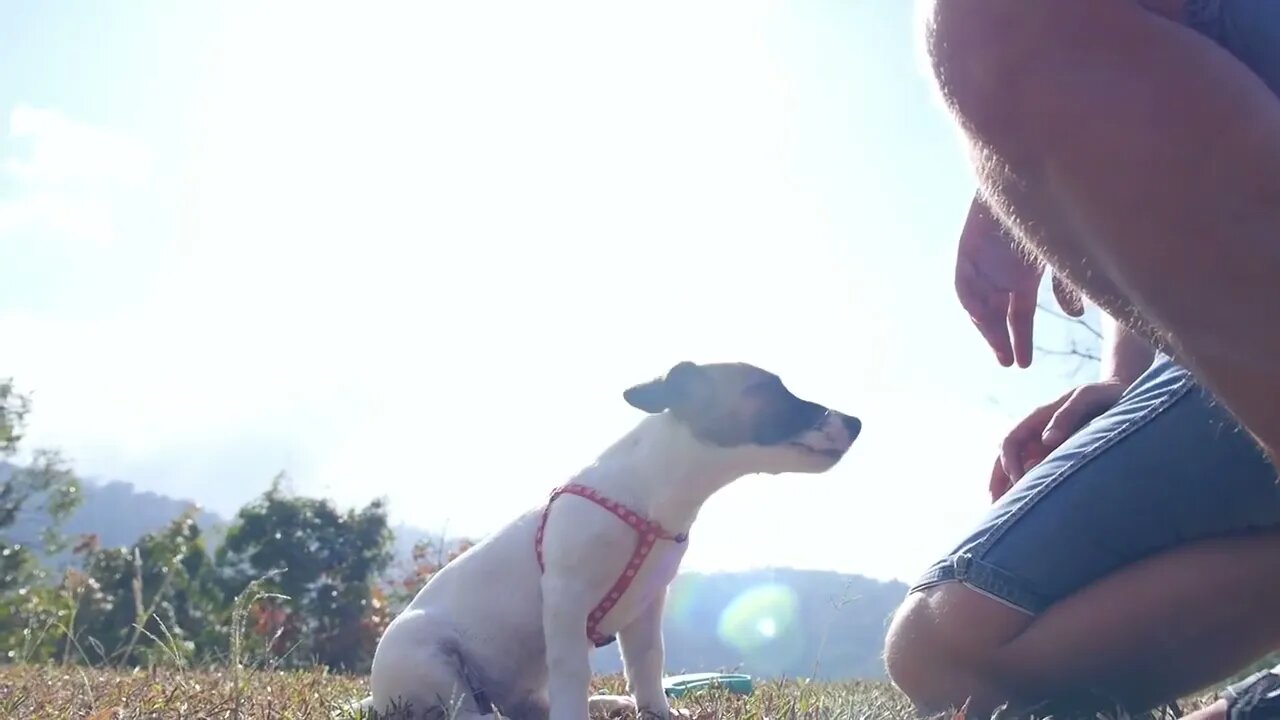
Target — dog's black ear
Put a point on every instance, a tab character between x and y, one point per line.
684	386
650	397
687	385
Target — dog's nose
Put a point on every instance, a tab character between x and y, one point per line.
853	425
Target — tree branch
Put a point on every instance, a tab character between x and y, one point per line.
1079	321
1075	351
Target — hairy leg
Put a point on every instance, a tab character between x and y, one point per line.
1142	161
1147	634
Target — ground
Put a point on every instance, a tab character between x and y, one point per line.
29	691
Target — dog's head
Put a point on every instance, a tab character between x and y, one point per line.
747	410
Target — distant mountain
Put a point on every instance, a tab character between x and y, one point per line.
119	514
116	512
769	623
774	623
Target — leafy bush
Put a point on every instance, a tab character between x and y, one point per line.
296	582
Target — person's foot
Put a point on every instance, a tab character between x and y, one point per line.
1256	697
1216	711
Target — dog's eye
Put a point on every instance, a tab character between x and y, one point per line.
778	415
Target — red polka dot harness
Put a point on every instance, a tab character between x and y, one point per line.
647	533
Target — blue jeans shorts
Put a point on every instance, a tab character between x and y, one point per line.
1248	29
1164	467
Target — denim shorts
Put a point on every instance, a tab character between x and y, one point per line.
1248	29
1164	467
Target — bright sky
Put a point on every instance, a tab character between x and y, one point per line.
418	250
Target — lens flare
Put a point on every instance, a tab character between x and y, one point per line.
764	626
686	601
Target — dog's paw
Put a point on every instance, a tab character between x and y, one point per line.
663	714
610	706
670	714
614	706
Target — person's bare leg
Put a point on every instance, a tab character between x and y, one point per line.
1202	613
1142	161
1147	634
1216	711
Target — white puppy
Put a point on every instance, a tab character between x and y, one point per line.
509	624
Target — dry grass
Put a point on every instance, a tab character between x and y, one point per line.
72	692
100	694
30	691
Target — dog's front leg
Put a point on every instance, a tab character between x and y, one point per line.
642	659
564	626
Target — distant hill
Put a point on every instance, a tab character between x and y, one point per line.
119	514
770	623
774	623
116	512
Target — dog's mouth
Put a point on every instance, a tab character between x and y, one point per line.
831	453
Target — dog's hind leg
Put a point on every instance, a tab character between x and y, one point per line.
419	672
532	708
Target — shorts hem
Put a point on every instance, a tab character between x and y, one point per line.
982	578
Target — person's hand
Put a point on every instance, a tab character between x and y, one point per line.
997	286
1047	427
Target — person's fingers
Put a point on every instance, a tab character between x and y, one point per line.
1012	450
1021	320
996	333
1069	299
987	309
1066	421
1000	481
1033	453
1044	429
1081	406
1024	440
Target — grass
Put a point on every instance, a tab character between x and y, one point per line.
52	691
63	691
29	691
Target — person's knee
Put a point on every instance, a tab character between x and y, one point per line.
940	645
909	656
916	656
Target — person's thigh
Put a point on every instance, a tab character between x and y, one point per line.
1165	467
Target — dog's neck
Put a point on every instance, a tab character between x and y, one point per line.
662	471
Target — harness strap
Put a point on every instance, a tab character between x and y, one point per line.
647	533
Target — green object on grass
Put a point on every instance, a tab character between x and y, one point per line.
678	685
